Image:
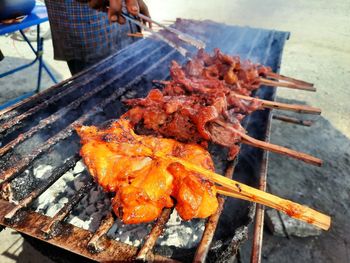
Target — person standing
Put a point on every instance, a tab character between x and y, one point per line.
86	31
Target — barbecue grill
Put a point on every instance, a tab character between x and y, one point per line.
47	194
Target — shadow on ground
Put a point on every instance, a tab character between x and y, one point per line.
19	250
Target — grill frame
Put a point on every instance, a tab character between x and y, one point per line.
100	248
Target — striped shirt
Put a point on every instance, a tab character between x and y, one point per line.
81	33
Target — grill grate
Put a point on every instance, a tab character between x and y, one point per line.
44	125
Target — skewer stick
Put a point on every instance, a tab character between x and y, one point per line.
272	147
274	83
289	119
288	207
280	149
238	190
274	75
135	34
282	106
162	82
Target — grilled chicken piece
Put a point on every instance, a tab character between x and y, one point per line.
123	162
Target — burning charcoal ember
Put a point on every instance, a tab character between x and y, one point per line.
281	225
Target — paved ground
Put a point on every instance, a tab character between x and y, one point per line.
318	51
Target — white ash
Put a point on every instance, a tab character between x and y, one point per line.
54	198
79	167
178	233
42	171
129	234
181	234
90	210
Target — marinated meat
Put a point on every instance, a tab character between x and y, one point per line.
123	162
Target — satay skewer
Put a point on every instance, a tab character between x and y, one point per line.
282	106
276	76
238	190
273	83
267	82
137	34
246	139
268	103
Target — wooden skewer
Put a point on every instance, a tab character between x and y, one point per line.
238	190
288	207
289	119
274	75
273	83
272	147
280	149
282	106
135	34
163	82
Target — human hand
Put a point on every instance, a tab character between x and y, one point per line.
114	8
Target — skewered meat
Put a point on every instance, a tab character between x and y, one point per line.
186	118
221	72
199	106
123	162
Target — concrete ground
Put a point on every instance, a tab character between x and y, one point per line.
318	51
